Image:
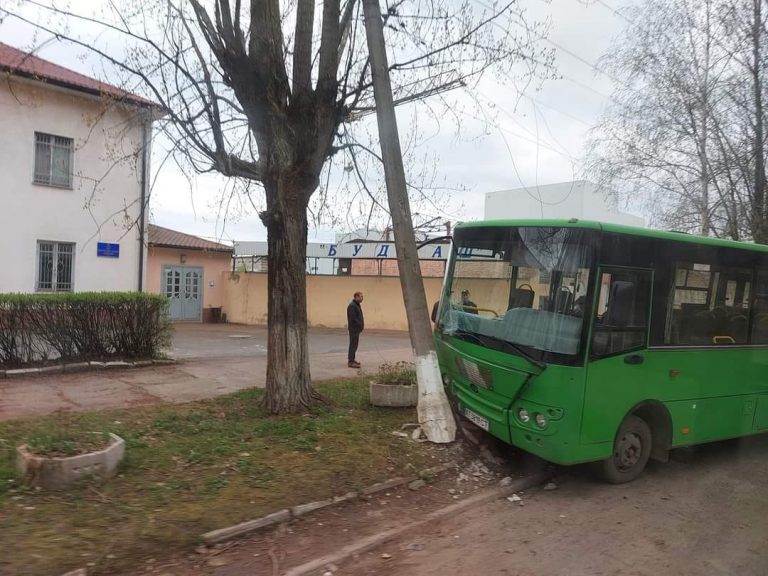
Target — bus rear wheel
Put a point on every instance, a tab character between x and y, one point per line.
631	450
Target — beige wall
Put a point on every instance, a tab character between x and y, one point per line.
214	265
245	297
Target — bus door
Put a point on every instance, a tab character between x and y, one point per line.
616	371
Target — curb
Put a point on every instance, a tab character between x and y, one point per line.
288	514
361	546
91	366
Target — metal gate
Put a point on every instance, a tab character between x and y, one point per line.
183	286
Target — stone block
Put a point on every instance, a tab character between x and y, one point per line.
244	527
51	369
386	485
22	372
76	366
345	498
393	395
60	473
302	509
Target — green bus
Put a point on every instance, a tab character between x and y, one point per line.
581	341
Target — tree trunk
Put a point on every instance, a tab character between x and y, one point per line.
759	214
289	387
435	414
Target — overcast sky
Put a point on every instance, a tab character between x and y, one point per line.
541	141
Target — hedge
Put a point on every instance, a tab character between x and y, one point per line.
81	326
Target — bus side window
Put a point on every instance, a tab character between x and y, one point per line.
621	318
710	305
760	309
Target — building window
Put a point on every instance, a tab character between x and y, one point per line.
55	266
53	160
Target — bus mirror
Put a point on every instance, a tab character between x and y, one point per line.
621	302
434	311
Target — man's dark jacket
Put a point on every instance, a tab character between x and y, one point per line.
355	320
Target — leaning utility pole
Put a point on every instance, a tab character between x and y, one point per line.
435	414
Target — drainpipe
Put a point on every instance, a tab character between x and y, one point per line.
146	131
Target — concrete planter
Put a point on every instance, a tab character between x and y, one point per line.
393	395
60	473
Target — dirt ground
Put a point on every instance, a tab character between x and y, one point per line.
704	513
707	516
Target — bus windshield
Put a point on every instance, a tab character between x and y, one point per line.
521	290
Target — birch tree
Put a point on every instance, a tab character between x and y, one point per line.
685	131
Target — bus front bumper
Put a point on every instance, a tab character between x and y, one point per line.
551	443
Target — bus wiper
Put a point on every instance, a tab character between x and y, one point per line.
524	353
465	335
482	339
519	349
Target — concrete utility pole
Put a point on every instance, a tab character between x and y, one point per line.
435	414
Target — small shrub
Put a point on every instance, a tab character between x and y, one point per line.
426	475
82	326
403	373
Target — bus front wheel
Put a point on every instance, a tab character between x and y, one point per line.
631	450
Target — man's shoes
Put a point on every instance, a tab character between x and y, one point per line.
353	364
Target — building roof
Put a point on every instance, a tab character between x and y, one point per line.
27	65
166	238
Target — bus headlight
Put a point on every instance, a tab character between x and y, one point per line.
541	421
523	415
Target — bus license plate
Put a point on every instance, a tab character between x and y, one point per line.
476	419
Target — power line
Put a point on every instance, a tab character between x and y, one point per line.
558	110
571	53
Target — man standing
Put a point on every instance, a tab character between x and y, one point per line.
466	304
355	325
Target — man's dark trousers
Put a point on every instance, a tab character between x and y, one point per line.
354	340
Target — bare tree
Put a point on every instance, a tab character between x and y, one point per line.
686	129
654	142
741	129
261	91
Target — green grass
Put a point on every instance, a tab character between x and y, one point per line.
190	469
63	442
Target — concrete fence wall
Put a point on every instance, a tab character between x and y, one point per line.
245	299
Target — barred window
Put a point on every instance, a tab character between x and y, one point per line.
55	266
53	160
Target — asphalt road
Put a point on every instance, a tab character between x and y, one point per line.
215	360
201	341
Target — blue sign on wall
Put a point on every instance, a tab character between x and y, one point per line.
107	250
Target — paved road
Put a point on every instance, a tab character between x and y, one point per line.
206	341
213	360
705	516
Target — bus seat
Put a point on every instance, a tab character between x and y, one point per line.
702	328
760	330
720	320
563	301
521	298
737	328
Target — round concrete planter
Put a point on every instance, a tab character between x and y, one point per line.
393	395
60	473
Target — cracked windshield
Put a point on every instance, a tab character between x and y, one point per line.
524	286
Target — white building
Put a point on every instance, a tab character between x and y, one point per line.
579	199
73	155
